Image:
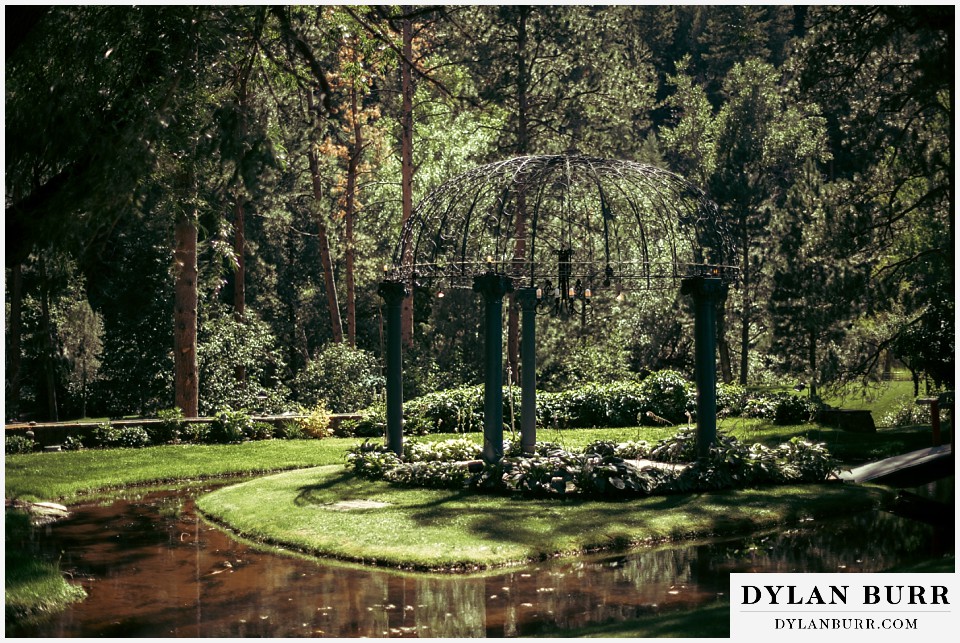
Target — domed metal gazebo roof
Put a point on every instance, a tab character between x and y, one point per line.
611	221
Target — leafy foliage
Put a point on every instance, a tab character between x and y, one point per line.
782	408
228	346
107	436
18	444
168	430
345	379
603	468
906	412
663	398
316	422
372	423
231	426
824	134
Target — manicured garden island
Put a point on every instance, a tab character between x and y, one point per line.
439	508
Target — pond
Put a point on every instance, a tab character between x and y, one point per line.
152	568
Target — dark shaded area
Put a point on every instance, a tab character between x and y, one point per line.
20	21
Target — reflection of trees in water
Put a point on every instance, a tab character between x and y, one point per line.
450	608
861	543
170	573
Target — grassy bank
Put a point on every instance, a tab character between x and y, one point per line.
328	512
522	529
69	476
32	587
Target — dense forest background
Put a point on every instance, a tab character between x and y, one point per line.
200	199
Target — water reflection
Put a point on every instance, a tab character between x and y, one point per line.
152	569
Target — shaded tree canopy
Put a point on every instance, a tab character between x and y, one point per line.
292	140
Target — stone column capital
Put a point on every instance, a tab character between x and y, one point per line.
492	285
392	291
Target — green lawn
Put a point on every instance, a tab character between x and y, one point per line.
34	587
880	398
327	511
68	476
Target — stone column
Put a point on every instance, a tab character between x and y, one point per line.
705	292
528	369
493	286
393	293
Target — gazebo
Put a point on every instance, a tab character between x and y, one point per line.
555	230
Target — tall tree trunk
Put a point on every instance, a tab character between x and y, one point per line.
745	316
240	275
14	357
349	213
336	325
239	223
406	165
186	379
523	147
49	377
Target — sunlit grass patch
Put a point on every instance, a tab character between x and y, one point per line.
450	529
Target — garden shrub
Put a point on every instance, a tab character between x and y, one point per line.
731	399
439	474
226	344
231	426
371	460
782	408
18	444
372	423
668	395
680	447
262	431
662	398
906	412
132	437
103	435
614	404
194	432
168	430
316	422
630	450
599	470
790	409
72	443
453	410
107	436
612	476
760	407
344	378
289	431
541	474
804	461
458	449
